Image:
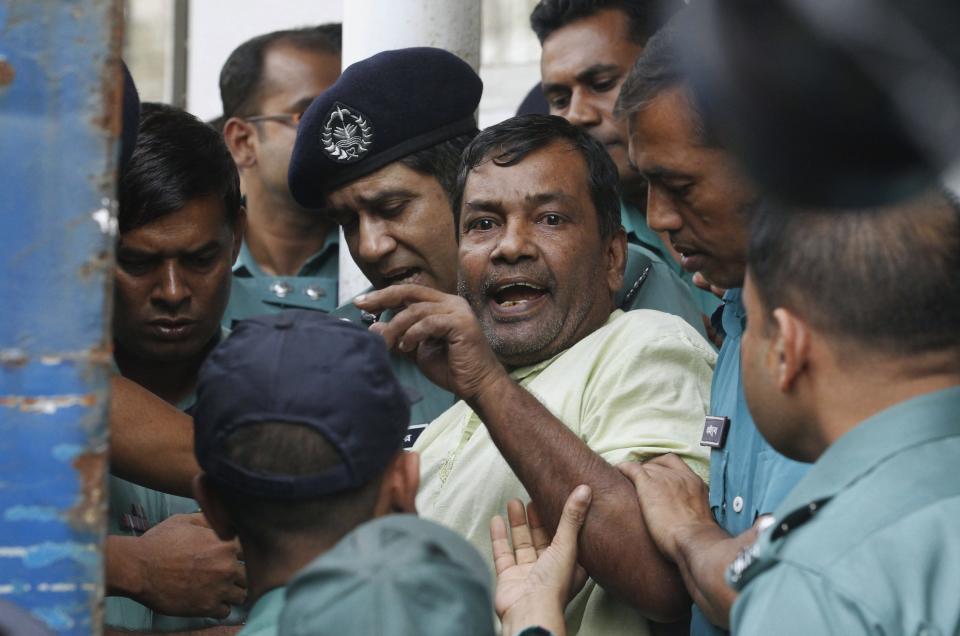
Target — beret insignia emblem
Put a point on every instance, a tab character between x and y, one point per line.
347	135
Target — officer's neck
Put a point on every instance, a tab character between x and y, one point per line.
853	393
273	569
173	381
280	235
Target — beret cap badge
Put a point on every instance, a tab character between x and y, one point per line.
347	135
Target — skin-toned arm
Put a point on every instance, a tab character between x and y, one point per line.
548	458
151	442
677	512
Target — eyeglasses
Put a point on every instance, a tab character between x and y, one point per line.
291	119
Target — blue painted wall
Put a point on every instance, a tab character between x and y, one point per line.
59	104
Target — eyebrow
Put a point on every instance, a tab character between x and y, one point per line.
133	251
382	196
531	200
661	173
583	76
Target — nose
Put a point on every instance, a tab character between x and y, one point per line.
515	243
583	111
662	215
374	240
172	290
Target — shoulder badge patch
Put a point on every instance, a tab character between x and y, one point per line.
347	135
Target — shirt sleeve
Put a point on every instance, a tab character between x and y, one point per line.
649	393
790	601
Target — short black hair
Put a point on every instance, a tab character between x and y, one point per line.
441	161
241	78
177	158
510	141
645	16
886	279
295	450
657	70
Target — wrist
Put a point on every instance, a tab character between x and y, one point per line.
493	388
124	567
540	613
694	538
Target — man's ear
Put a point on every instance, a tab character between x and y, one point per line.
206	495
616	260
792	347
240	138
398	492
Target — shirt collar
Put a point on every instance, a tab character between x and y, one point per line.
916	421
245	265
733	318
266	611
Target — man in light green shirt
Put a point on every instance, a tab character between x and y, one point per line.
555	383
859	372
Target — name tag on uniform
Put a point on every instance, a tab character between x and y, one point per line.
413	432
715	429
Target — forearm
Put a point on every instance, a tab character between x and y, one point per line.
703	553
151	442
550	461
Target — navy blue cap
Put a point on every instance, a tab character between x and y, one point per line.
381	109
303	368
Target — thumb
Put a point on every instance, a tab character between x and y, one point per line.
572	518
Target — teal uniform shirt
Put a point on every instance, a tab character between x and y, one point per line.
649	283
878	552
264	617
254	293
428	400
639	233
747	477
134	509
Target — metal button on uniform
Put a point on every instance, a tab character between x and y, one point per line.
281	289
737	503
315	293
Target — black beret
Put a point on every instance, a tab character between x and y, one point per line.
381	109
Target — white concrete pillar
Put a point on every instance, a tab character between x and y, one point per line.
371	26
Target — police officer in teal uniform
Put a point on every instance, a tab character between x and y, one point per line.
698	196
588	49
853	365
179	233
390	182
290	254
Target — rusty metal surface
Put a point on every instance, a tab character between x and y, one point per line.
59	117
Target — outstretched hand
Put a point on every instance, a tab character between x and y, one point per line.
537	577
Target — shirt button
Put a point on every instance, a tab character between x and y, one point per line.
737	503
315	293
281	289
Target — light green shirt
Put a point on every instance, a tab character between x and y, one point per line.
264	617
880	551
637	387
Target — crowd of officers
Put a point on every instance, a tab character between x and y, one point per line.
727	413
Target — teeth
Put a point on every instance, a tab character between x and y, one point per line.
512	303
527	285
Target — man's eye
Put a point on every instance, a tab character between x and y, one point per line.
604	85
681	191
134	267
481	224
201	260
552	219
558	103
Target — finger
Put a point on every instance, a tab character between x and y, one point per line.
572	519
520	532
240	576
395	296
394	332
541	538
668	460
503	557
197	519
633	470
437	327
235	595
222	611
